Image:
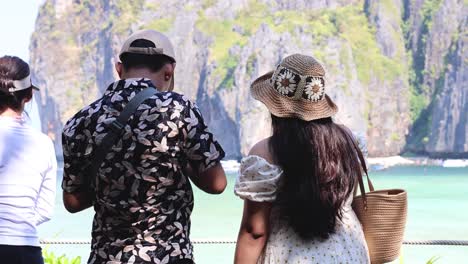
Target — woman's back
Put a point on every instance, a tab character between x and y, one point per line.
27	167
260	180
297	210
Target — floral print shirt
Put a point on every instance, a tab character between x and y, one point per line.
143	200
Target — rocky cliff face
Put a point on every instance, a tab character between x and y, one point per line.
372	51
437	37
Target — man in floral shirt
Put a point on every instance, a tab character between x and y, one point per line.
142	198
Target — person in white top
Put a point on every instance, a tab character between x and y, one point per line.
28	169
298	184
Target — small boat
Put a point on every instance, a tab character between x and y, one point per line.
377	167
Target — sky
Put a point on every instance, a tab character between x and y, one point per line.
17	19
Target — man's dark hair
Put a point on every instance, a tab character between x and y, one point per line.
152	62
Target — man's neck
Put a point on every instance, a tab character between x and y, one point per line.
138	73
146	73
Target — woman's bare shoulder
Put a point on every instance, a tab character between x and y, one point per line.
262	149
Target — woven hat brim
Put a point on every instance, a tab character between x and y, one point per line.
282	106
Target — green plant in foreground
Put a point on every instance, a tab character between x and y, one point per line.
432	260
50	258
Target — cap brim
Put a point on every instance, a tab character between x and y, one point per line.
282	106
35	87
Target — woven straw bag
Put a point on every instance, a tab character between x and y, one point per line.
383	217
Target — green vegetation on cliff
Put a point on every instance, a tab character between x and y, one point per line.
420	92
161	24
127	16
349	23
353	26
421	96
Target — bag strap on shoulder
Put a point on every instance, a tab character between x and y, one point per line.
115	131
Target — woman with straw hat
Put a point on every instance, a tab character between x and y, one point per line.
27	169
298	184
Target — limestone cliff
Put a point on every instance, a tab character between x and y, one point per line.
437	36
371	49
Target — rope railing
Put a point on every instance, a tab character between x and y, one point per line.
208	241
437	242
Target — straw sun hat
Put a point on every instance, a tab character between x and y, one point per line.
295	89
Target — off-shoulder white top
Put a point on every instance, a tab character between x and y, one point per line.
258	181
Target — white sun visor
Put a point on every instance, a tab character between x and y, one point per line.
22	84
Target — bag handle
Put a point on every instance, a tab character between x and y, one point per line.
360	178
116	128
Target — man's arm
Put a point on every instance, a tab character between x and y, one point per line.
203	152
76	194
212	180
77	201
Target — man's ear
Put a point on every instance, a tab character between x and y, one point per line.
169	70
168	75
119	68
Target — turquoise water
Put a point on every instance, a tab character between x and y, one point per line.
437	201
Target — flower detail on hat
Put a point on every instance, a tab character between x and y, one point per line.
314	89
285	82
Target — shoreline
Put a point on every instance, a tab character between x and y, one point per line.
381	163
377	163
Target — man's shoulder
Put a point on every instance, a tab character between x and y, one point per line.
173	95
80	116
174	99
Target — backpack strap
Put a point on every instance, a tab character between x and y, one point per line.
116	128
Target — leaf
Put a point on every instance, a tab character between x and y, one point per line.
76	260
50	258
213	154
161	147
192	120
165	260
128	248
144	141
88	150
163	127
192	133
134	189
433	260
174	129
143	255
118	256
116	97
150	239
149	178
153	117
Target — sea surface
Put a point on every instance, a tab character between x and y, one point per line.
437	209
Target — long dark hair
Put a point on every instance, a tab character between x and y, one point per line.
12	68
321	164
